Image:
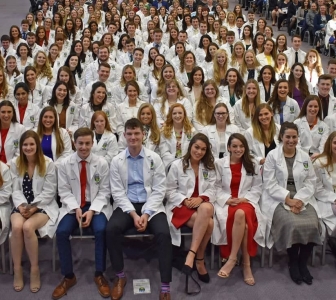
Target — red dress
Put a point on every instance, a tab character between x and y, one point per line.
182	214
250	216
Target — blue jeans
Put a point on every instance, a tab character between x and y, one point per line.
67	226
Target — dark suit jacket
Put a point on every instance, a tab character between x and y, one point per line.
164	3
318	21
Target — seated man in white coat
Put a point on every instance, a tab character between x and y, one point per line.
137	180
83	186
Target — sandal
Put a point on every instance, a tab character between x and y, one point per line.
250	280
224	274
35	282
18	283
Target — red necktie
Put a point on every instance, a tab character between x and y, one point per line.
83	182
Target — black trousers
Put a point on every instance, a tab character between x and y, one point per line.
120	222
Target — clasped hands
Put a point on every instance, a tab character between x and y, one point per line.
27	211
192	202
236	201
85	218
294	204
140	222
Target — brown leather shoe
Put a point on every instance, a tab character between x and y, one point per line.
63	287
164	296
117	290
103	286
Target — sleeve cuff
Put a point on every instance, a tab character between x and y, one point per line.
149	212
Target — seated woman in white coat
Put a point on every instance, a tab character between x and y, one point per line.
268	56
262	136
245	107
203	108
194	86
11	131
266	81
5	203
233	87
97	101
104	141
176	134
313	131
67	111
119	94
35	207
38	92
325	192
27	113
151	140
238	219
219	130
55	141
13	75
285	108
288	203
173	93
187	64
129	107
190	189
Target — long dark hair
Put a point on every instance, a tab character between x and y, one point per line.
10	104
82	55
303	86
273	80
310	98
274	101
207	160
191	78
239	86
95	86
247	159
53	101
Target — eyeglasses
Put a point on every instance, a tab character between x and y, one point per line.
221	114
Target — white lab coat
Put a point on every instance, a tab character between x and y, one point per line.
5	203
31	116
190	95
154	180
241	120
275	177
257	148
86	113
14	80
262	91
69	188
45	191
12	143
10	95
87	91
264	61
225	93
312	141
181	185
250	187
40	95
330	120
142	73
162	117
107	146
290	112
91	72
313	77
168	146
211	132
124	112
325	194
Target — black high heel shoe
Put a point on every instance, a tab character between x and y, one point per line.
188	272
203	277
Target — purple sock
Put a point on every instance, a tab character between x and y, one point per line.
121	274
165	287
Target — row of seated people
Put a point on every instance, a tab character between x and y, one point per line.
231	200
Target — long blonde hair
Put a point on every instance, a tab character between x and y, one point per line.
234	56
327	153
245	103
243	67
169	124
45	70
4	85
22	162
216	68
203	107
122	80
155	131
318	65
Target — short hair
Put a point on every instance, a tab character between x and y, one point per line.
240	17
5	37
230	33
157	30
130	41
332	61
24	21
250	12
287	125
83	131
296	36
104	64
133	123
139	49
325	77
31	34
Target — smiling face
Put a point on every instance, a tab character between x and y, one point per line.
146	116
6	115
210	91
251	91
168	73
283	91
134	137
99	95
61	92
198	77
236	149
21	96
312	109
221	115
198	150
298	72
99	123
266	75
290	139
178	116
132	93
265	117
232	78
48	120
83	146
29	147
